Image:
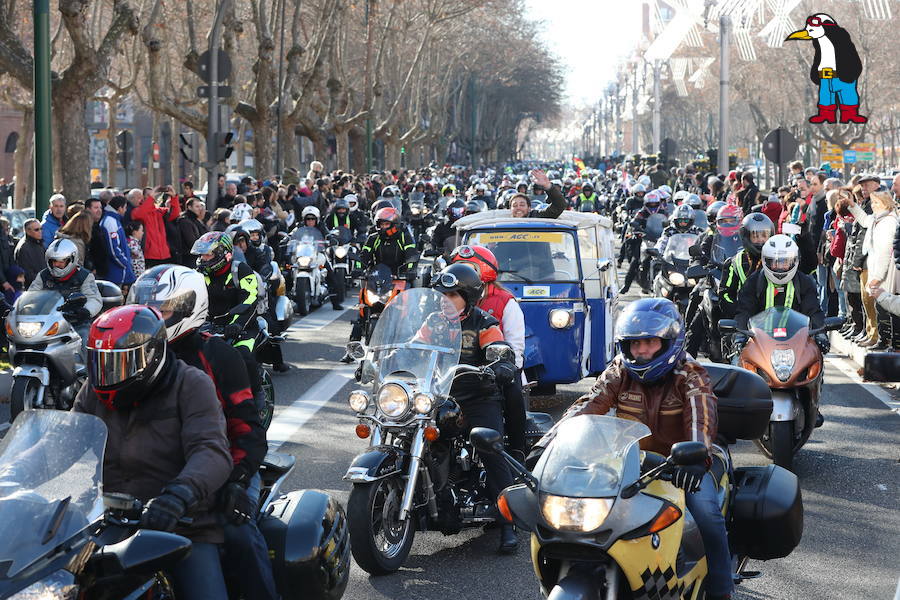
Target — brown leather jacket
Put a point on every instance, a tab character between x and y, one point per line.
681	407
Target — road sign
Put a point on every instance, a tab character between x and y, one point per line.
849	156
780	146
864	151
224	66
224	91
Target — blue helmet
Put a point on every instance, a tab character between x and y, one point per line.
648	318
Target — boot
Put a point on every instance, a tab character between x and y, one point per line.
872	341
849	114
827	114
509	543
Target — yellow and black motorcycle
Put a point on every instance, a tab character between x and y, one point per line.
606	524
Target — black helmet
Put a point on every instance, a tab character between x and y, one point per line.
455	210
472	207
683	218
756	228
218	244
461	278
341	204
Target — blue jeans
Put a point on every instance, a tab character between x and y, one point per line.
200	574
704	507
834	91
822	280
247	555
842	299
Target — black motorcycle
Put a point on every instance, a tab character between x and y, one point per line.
65	538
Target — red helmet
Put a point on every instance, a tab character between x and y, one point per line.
390	215
728	219
480	257
126	350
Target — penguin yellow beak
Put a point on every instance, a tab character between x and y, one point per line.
799	35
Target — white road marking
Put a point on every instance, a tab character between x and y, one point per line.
872	388
289	420
315	321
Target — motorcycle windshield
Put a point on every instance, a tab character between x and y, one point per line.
700	219
380	280
416	341
779	323
50	483
678	246
587	457
417	198
724	247
655	225
308	234
38	303
343	235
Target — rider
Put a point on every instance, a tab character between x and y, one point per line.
342	216
63	275
682	221
587	200
455	210
180	295
756	229
653	380
640	266
479	397
167	445
498	302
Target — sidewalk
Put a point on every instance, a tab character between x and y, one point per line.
852	366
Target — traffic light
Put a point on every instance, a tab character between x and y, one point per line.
125	143
224	148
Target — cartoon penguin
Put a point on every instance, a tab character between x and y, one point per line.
835	69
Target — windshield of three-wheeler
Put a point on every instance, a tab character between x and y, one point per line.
678	246
532	256
587	457
417	337
50	483
38	303
779	322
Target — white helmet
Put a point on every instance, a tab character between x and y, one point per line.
240	212
62	249
173	289
310	211
352	201
645	181
679	196
780	259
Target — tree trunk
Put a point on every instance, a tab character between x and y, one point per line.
290	152
72	140
320	149
391	155
24	165
112	125
241	149
262	148
342	158
152	172
358	144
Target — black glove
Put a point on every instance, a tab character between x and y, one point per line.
77	314
163	512
235	502
688	477
738	341
504	372
232	331
823	342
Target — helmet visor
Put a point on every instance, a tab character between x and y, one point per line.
781	264
173	309
205	246
758	237
109	368
646	324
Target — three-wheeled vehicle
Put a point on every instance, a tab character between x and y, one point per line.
560	272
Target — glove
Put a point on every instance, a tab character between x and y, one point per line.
504	373
235	503
232	331
738	341
688	477
823	342
77	314
163	512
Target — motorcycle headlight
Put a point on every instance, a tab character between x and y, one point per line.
676	278
340	252
57	586
373	298
304	261
28	330
575	514
393	400
783	363
359	400
422	403
561	318
415	210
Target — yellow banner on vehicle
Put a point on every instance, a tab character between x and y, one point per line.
493	237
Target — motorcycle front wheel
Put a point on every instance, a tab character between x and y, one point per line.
23	396
267	410
380	542
302	297
779	446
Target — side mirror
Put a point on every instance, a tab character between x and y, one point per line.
833	323
147	551
653	252
486	440
439	264
694	251
696	272
275	271
356	349
498	352
604	264
727	326
688	453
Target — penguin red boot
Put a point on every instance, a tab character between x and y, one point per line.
849	114
827	114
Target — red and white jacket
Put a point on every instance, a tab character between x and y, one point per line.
503	306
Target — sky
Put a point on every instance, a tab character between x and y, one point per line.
588	36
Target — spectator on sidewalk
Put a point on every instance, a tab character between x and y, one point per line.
98	254
118	255
135	233
15	275
153	212
190	228
29	253
53	218
79	230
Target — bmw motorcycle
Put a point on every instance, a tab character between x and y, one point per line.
64	538
671	279
419	472
307	252
341	255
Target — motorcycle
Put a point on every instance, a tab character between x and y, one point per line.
92	545
421	217
306	249
671	280
380	288
781	350
419	471
607	522
341	255
279	311
45	351
649	236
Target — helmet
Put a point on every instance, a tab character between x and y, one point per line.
520	185
237	234
252	226
587	187
448	188
665	190
652	201
126	351
390	191
310	211
241	212
62	249
379	204
694	201
780	259
472	207
483	259
352	202
480	188
173	289
645	180
638	188
713	210
461	278
341	204
649	318
683	218
728	219
219	245
679	196
388	215
455	210
756	228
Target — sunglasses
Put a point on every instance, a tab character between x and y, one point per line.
817	22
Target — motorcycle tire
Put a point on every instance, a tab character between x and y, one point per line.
377	550
22	397
340	288
267	410
303	297
779	446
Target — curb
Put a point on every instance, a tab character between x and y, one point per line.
843	346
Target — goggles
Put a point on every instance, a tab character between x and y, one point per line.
446	280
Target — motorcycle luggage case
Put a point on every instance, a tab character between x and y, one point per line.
309	544
744	400
767	513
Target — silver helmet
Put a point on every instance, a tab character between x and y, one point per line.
62	249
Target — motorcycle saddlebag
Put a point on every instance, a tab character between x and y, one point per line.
309	544
744	400
767	513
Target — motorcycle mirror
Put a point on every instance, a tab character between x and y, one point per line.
881	366
688	453
439	264
696	272
498	352
727	325
833	323
694	251
653	252
486	440
356	349
147	551
275	271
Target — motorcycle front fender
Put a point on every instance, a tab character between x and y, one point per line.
42	374
376	463
785	406
583	583
303	275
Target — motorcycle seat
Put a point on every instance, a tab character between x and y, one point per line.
278	462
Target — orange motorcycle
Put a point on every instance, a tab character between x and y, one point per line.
781	350
380	288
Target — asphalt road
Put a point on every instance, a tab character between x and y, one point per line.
849	472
